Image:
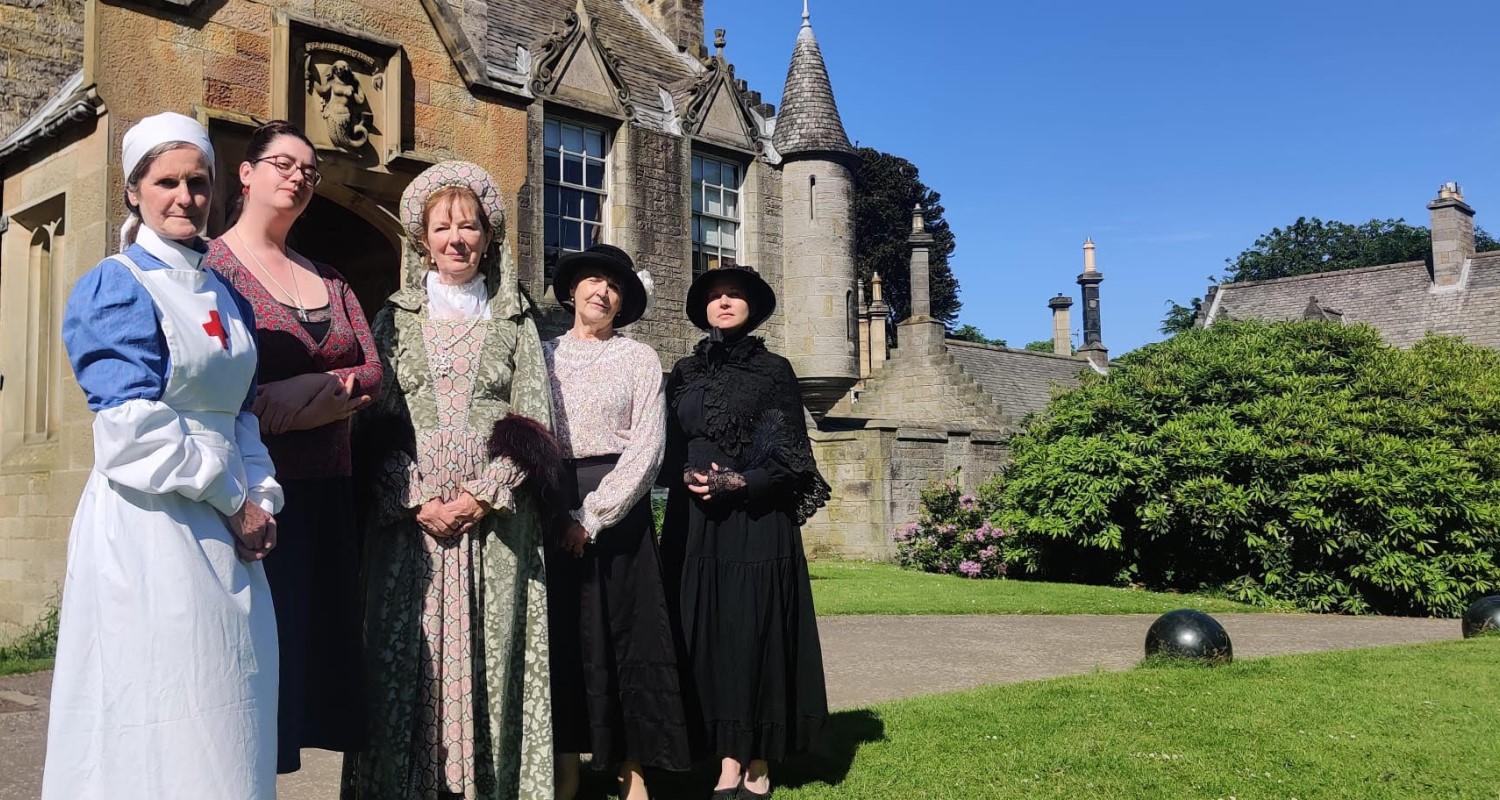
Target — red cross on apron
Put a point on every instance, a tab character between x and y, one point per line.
215	329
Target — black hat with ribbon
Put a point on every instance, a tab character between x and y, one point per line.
758	295
635	287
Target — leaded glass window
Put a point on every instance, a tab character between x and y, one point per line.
716	213
575	168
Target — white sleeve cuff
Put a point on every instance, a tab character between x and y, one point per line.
589	520
145	445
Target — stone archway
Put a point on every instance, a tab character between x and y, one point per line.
367	256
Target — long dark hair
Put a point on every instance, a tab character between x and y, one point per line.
260	142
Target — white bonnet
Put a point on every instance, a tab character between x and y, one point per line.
146	135
160	129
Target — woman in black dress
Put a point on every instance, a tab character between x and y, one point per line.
743	481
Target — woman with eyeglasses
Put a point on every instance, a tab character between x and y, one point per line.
317	366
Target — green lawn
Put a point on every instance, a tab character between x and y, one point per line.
1398	722
857	587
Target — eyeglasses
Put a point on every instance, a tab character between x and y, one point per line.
285	166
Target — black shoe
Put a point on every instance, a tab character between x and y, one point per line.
732	793
746	794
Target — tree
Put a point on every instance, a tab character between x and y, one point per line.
1040	346
1306	463
886	187
1311	245
969	333
1181	317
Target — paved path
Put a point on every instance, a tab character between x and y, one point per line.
868	660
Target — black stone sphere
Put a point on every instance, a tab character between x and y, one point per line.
1483	616
1186	633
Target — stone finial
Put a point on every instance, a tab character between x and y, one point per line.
806	17
1088	256
877	293
719	43
1450	191
918	219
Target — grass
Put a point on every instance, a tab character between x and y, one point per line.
1398	722
852	587
32	650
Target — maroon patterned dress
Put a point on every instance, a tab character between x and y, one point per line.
313	571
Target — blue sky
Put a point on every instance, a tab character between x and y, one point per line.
1172	132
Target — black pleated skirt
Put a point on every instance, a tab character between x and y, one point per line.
748	631
314	576
615	687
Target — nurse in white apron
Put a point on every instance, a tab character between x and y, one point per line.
166	674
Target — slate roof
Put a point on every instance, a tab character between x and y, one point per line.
73	102
809	120
1020	381
1399	300
648	61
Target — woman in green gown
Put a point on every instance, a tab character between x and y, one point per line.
456	607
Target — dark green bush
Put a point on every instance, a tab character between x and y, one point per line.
1303	462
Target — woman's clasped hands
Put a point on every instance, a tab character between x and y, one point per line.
306	401
444	519
714	483
254	531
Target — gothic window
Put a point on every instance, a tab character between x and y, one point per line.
716	214
35	245
575	166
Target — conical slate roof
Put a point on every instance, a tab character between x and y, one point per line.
809	119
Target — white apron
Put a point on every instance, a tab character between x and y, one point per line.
167	659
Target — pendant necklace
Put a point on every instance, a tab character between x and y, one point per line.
296	297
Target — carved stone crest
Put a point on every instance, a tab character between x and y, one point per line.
342	87
338	77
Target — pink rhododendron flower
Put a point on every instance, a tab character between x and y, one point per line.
905	532
970	568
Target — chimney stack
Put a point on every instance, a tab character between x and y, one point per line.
1452	234
1093	345
1062	329
920	333
921	246
680	20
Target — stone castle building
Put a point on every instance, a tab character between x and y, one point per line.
602	120
1454	291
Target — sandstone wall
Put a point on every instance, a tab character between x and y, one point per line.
43	466
41	44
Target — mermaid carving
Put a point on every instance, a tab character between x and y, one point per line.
345	110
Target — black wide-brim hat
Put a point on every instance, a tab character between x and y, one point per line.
617	266
758	294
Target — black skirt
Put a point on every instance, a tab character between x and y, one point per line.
314	576
748	630
615	689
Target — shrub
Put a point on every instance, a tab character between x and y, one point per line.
954	534
34	648
1306	462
